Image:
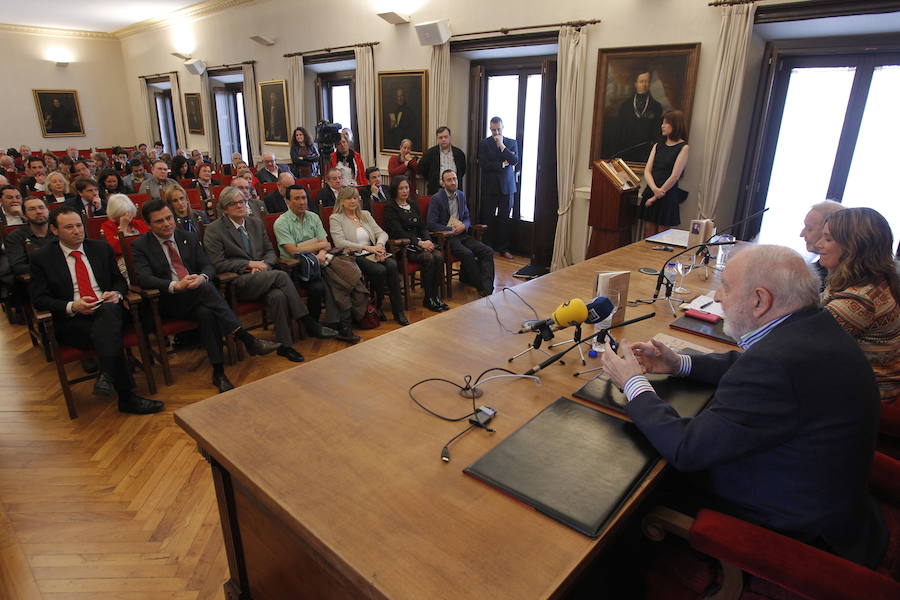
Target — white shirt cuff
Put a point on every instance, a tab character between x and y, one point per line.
636	386
685	369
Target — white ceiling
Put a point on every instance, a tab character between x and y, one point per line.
93	15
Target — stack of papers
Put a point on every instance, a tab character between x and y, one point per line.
704	303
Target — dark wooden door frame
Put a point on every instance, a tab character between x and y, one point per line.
769	105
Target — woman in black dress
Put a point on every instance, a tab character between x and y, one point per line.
661	198
403	220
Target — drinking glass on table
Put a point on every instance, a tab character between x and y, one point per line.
684	266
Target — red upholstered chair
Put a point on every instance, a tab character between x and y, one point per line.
783	568
325	215
84	153
92	227
185	183
58	153
138	200
312	184
133	337
267	188
889	429
224	180
162	327
193	196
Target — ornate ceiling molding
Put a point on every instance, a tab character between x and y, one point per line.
196	11
55	32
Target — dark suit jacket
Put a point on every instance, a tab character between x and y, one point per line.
152	266
18	253
496	179
78	205
788	438
324	198
265	177
223	246
430	167
52	287
275	203
365	194
439	211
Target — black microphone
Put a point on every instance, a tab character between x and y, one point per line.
603	331
736	223
630	148
662	272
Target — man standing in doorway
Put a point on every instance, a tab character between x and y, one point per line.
442	157
498	157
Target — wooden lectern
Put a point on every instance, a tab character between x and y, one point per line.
612	210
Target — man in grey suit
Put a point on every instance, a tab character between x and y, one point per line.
238	244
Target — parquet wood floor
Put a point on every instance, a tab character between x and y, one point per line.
113	506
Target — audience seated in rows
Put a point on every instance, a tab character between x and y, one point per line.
204	183
276	201
37	233
172	261
238	244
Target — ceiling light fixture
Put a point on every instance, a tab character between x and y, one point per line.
394	18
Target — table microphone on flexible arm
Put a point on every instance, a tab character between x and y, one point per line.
705	250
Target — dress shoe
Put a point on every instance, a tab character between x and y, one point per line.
90	365
442	304
260	347
221	382
401	319
290	354
506	254
324	332
431	304
347	335
140	406
104	386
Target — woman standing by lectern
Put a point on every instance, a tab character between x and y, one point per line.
662	197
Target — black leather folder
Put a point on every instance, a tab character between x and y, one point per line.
685	396
571	462
713	331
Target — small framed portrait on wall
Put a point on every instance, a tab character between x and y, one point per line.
273	111
194	110
402	110
58	113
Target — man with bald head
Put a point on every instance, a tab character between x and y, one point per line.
276	202
813	224
271	169
787	440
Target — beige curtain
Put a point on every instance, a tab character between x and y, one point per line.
731	59
150	126
438	89
208	103
569	95
250	112
365	104
295	90
180	129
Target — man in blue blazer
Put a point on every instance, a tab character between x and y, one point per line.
448	211
788	438
498	157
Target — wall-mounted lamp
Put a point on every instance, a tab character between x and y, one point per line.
262	40
62	64
394	18
59	55
180	55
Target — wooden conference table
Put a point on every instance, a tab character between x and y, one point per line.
329	478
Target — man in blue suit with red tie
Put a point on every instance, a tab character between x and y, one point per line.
498	157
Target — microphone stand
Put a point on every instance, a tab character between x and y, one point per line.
575	338
707	255
544	334
603	332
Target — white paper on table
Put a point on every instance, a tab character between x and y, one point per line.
699	302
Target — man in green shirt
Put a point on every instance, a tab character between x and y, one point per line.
301	230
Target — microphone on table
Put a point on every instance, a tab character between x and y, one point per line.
566	314
602	332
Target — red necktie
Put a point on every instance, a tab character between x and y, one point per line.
90	210
176	260
82	277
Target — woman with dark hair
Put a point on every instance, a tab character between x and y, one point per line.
404	164
205	182
304	154
50	162
862	291
661	198
403	220
66	165
110	182
181	168
348	162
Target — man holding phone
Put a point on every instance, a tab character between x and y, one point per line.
79	282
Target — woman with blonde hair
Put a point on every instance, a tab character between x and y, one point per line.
120	211
862	291
57	188
354	230
186	217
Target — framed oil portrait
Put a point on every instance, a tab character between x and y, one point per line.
402	110
635	86
273	112
58	113
194	110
